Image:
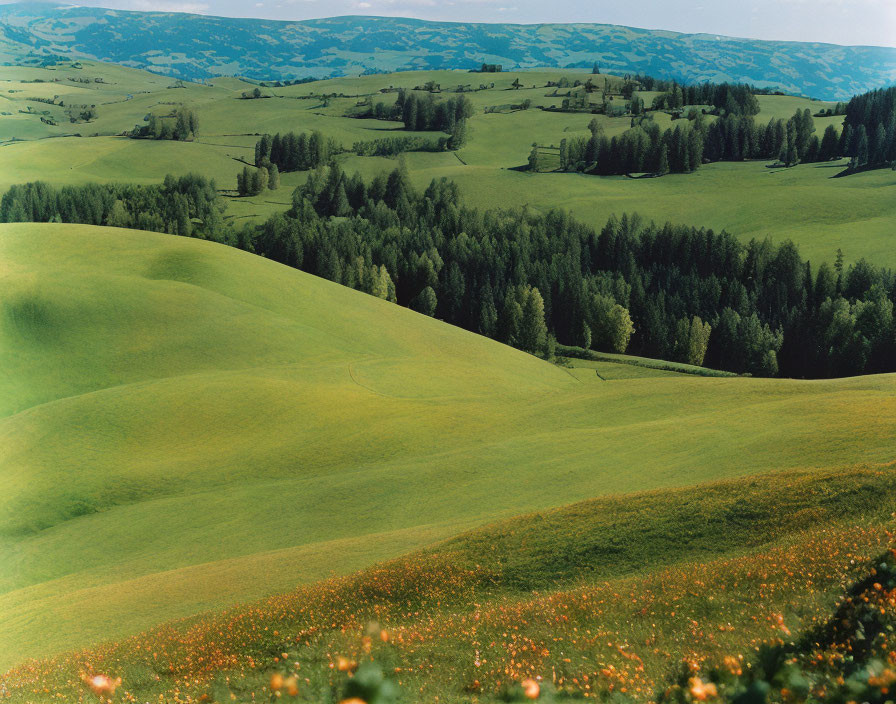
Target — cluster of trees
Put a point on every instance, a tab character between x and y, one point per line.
252	182
254	94
80	113
392	146
682	149
376	111
644	148
838	109
490	68
869	130
295	152
679	293
182	126
424	113
735	138
726	98
187	205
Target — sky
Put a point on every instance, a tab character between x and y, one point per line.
870	22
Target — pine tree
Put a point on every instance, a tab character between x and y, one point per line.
341	207
509	320
458	135
586	336
533	335
663	167
788	155
846	141
425	302
877	145
830	144
862	149
273	177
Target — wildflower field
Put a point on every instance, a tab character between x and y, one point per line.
545	606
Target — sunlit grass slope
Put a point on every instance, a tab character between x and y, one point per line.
184	425
604	595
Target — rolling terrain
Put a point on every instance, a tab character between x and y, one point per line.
226	479
200	47
748	199
186	426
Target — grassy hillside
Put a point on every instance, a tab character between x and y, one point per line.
202	46
602	596
185	426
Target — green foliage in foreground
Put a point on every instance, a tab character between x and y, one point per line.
850	658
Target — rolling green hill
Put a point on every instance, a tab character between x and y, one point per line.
185	426
198	46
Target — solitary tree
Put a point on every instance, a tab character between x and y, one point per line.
663	167
534	161
533	334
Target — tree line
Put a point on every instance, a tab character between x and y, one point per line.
186	205
295	152
681	293
182	126
683	148
527	279
725	98
392	146
869	129
733	98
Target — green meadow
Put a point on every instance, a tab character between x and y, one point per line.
187	426
805	203
193	436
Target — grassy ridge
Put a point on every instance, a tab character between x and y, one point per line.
617	600
264	417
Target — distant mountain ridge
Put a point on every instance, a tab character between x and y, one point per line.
200	46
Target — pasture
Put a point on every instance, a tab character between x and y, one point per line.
186	426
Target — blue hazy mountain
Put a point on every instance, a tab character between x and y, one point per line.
200	46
